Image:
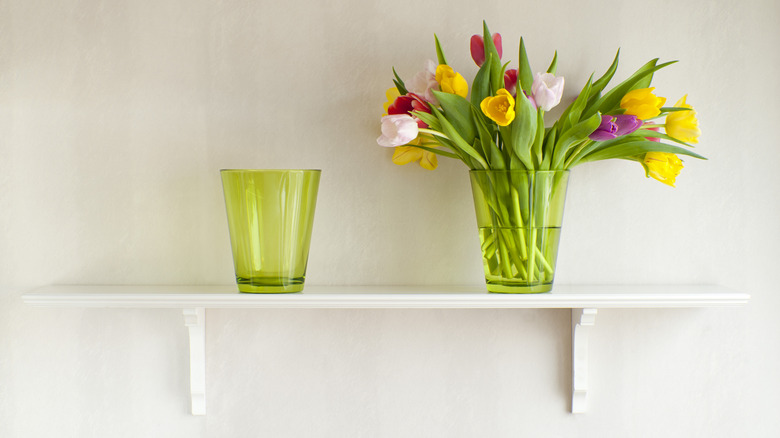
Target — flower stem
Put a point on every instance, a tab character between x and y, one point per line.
547	268
432	132
573	156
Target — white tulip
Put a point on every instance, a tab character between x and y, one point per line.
397	130
547	90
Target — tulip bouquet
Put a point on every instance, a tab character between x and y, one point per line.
498	125
501	125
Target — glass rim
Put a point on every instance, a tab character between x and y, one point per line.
267	170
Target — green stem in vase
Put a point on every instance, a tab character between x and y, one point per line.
532	250
545	264
516	205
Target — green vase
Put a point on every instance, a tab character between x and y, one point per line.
270	215
519	216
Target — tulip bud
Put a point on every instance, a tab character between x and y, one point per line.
547	90
510	81
663	166
615	126
478	48
397	130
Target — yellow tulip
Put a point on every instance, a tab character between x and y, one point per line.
499	108
408	154
642	103
683	125
663	166
450	81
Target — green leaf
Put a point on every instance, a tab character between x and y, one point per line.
636	147
439	51
573	113
671	109
549	148
492	153
522	131
646	80
441	152
574	156
602	82
546	162
574	135
445	142
525	75
610	101
496	72
457	140
399	83
554	64
655	134
516	164
429	119
539	138
458	111
480	88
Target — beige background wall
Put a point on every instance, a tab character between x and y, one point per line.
115	117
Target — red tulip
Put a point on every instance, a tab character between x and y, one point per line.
510	81
478	48
406	104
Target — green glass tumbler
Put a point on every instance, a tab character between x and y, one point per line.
270	216
519	215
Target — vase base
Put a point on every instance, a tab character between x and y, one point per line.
256	286
519	289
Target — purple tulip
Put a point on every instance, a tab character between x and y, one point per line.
615	126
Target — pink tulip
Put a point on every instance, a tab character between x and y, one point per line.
653	129
547	90
424	83
397	130
478	48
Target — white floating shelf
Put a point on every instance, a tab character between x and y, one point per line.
584	300
385	297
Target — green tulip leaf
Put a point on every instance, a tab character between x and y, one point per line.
525	76
457	140
480	88
458	111
574	111
523	130
554	64
574	135
539	140
671	109
611	101
636	147
436	151
439	51
429	119
656	134
399	83
492	153
645	81
496	73
602	82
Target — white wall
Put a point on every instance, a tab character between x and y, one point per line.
115	118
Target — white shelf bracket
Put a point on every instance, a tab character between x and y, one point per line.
195	321
581	322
